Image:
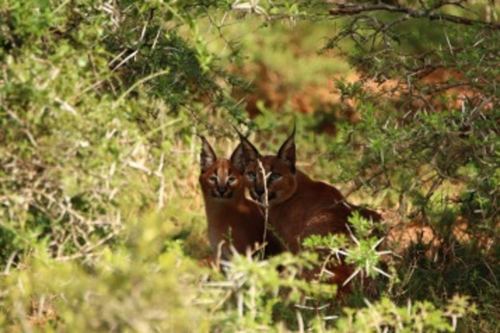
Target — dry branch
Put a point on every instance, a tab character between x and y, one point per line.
354	9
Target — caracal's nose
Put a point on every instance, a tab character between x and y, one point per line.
222	190
260	191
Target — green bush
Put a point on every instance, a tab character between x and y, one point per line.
101	220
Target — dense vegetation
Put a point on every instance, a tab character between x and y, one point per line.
102	225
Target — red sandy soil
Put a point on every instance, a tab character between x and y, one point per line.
270	88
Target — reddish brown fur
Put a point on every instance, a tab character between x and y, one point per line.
298	206
231	217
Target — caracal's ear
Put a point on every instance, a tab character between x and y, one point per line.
287	151
250	153
238	159
207	155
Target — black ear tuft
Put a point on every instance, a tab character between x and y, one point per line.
250	153
207	155
238	159
287	151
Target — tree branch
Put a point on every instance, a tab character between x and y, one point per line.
353	9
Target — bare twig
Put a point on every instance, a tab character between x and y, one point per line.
161	190
265	204
124	61
9	263
300	320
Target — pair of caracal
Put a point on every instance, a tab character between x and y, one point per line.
298	206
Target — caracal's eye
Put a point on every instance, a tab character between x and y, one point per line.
251	175
213	179
274	177
231	180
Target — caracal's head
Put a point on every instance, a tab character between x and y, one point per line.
276	173
220	178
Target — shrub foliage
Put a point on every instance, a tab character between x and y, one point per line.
101	221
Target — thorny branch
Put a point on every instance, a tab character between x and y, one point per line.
430	13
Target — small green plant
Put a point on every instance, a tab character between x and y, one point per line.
252	290
357	248
385	316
